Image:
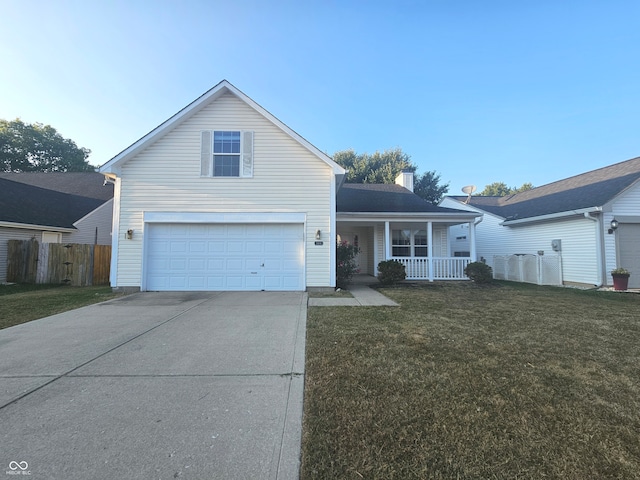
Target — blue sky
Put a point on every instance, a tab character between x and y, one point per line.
479	91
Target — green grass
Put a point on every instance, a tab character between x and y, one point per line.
23	303
509	381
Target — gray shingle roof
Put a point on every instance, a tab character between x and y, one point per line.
587	190
84	184
387	198
23	201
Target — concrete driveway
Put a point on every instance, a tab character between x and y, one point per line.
157	386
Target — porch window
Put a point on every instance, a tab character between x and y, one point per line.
401	243
409	243
420	243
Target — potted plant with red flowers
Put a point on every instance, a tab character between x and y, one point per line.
620	278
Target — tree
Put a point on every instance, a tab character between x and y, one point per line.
376	168
384	167
428	187
39	148
500	189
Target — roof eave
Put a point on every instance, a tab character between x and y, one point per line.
382	216
30	226
551	216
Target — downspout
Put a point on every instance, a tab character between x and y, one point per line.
599	248
472	238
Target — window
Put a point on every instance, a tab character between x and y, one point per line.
409	243
226	153
420	243
401	243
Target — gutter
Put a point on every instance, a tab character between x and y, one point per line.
30	226
551	216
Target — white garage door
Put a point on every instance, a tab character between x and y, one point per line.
629	251
225	257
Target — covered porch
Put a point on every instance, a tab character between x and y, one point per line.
422	244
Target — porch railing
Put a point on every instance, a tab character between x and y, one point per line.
444	268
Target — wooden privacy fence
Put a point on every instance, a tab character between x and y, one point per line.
73	264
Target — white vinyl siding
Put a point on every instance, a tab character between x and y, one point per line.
166	177
626	209
578	236
94	228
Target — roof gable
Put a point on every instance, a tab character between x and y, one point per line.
112	166
592	189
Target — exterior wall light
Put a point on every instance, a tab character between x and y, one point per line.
129	234
614	226
318	235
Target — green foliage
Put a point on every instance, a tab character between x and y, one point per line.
500	189
346	266
39	148
620	271
427	186
380	167
391	272
479	272
384	167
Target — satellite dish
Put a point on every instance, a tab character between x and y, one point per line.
469	189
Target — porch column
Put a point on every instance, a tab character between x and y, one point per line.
430	249
375	250
387	241
472	240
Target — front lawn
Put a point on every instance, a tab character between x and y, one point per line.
510	381
23	303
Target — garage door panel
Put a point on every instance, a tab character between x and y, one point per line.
234	247
215	264
197	247
177	246
234	264
178	264
254	247
197	264
225	257
196	283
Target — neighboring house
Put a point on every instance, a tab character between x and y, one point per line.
573	214
53	208
224	196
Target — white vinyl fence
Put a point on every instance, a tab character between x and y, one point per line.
539	269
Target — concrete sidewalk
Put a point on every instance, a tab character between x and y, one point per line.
363	296
158	386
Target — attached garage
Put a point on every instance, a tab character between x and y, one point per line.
224	256
629	251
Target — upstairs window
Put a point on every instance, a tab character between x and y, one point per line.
226	153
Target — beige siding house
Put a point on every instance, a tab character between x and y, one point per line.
224	196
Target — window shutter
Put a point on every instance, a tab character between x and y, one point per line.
205	153
247	154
